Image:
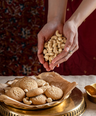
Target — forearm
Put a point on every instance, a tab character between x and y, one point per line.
83	11
57	9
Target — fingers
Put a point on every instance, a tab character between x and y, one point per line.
68	45
63	59
75	46
40	43
65	55
40	48
69	42
41	58
46	66
62	54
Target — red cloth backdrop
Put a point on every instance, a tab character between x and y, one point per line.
83	61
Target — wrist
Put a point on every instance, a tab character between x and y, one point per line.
75	20
57	19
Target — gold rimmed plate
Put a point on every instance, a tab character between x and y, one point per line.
74	105
52	78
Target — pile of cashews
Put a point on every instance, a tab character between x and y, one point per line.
54	46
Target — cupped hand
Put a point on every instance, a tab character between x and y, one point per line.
70	31
44	35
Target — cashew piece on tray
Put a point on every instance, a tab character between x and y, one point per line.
27	101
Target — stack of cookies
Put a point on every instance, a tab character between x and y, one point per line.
33	91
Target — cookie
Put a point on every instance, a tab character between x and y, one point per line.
40	82
28	83
38	100
16	83
9	83
54	92
45	87
34	92
16	93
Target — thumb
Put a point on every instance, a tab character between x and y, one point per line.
69	42
40	43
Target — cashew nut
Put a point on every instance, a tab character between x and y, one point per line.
54	37
46	45
27	101
60	38
44	51
60	50
58	34
46	57
49	100
26	90
54	46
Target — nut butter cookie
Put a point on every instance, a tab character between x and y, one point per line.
38	100
40	82
28	83
16	93
34	92
54	92
16	83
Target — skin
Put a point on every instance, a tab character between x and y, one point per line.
69	29
55	21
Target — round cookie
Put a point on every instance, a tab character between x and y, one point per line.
40	82
28	83
45	87
54	92
16	83
16	93
34	92
38	100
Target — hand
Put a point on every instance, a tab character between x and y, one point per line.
44	35
71	33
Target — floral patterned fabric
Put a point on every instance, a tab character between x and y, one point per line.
20	22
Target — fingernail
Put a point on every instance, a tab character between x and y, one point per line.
47	70
67	49
53	68
53	62
58	65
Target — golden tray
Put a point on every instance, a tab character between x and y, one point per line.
74	105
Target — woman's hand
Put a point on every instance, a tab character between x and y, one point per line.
44	35
70	31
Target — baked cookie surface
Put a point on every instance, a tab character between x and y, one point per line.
16	93
28	83
34	92
40	82
38	100
54	92
16	83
